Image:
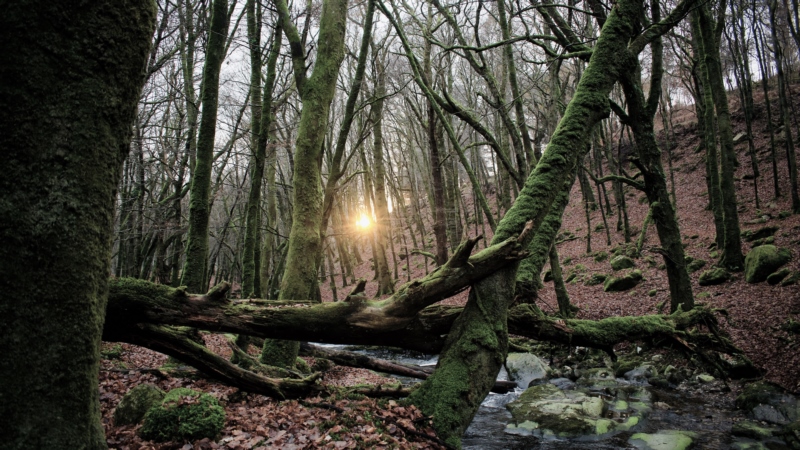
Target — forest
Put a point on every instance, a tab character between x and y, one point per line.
393	224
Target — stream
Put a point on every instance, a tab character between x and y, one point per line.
704	411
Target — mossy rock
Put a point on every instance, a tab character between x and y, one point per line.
761	233
623	283
703	295
622	262
570	277
784	214
525	368
652	292
600	256
793	278
714	254
761	261
695	265
663	440
752	430
776	277
714	276
135	404
763	241
768	403
628	250
595	279
548	276
184	414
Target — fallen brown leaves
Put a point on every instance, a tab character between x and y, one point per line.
258	422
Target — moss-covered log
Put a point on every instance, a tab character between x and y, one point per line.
70	77
174	342
355	321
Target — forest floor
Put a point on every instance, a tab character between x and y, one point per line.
756	312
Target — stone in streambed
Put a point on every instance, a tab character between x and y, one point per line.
663	440
525	367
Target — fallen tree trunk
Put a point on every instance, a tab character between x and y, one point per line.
145	314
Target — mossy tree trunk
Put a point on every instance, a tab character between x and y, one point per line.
732	257
640	117
316	92
261	120
195	271
68	91
382	219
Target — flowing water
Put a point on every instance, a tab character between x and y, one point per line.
705	412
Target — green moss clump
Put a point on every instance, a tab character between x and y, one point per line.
714	276
764	260
652	292
302	366
695	265
755	394
184	414
600	256
622	262
776	277
135	404
595	279
704	294
761	233
623	283
114	352
793	278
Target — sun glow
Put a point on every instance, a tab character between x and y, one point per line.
363	222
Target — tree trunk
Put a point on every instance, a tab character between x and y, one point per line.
382	219
195	270
68	108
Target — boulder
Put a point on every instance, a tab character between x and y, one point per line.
752	430
714	276
135	403
761	233
595	279
623	283
776	277
695	265
545	410
761	261
767	403
525	368
793	278
184	414
663	440
622	262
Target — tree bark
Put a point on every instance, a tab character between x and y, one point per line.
68	106
195	271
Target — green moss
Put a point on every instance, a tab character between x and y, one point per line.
652	292
714	276
761	233
749	429
302	366
776	277
695	265
184	414
279	353
135	404
600	256
704	295
595	279
622	262
764	260
793	278
113	352
623	283
755	394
